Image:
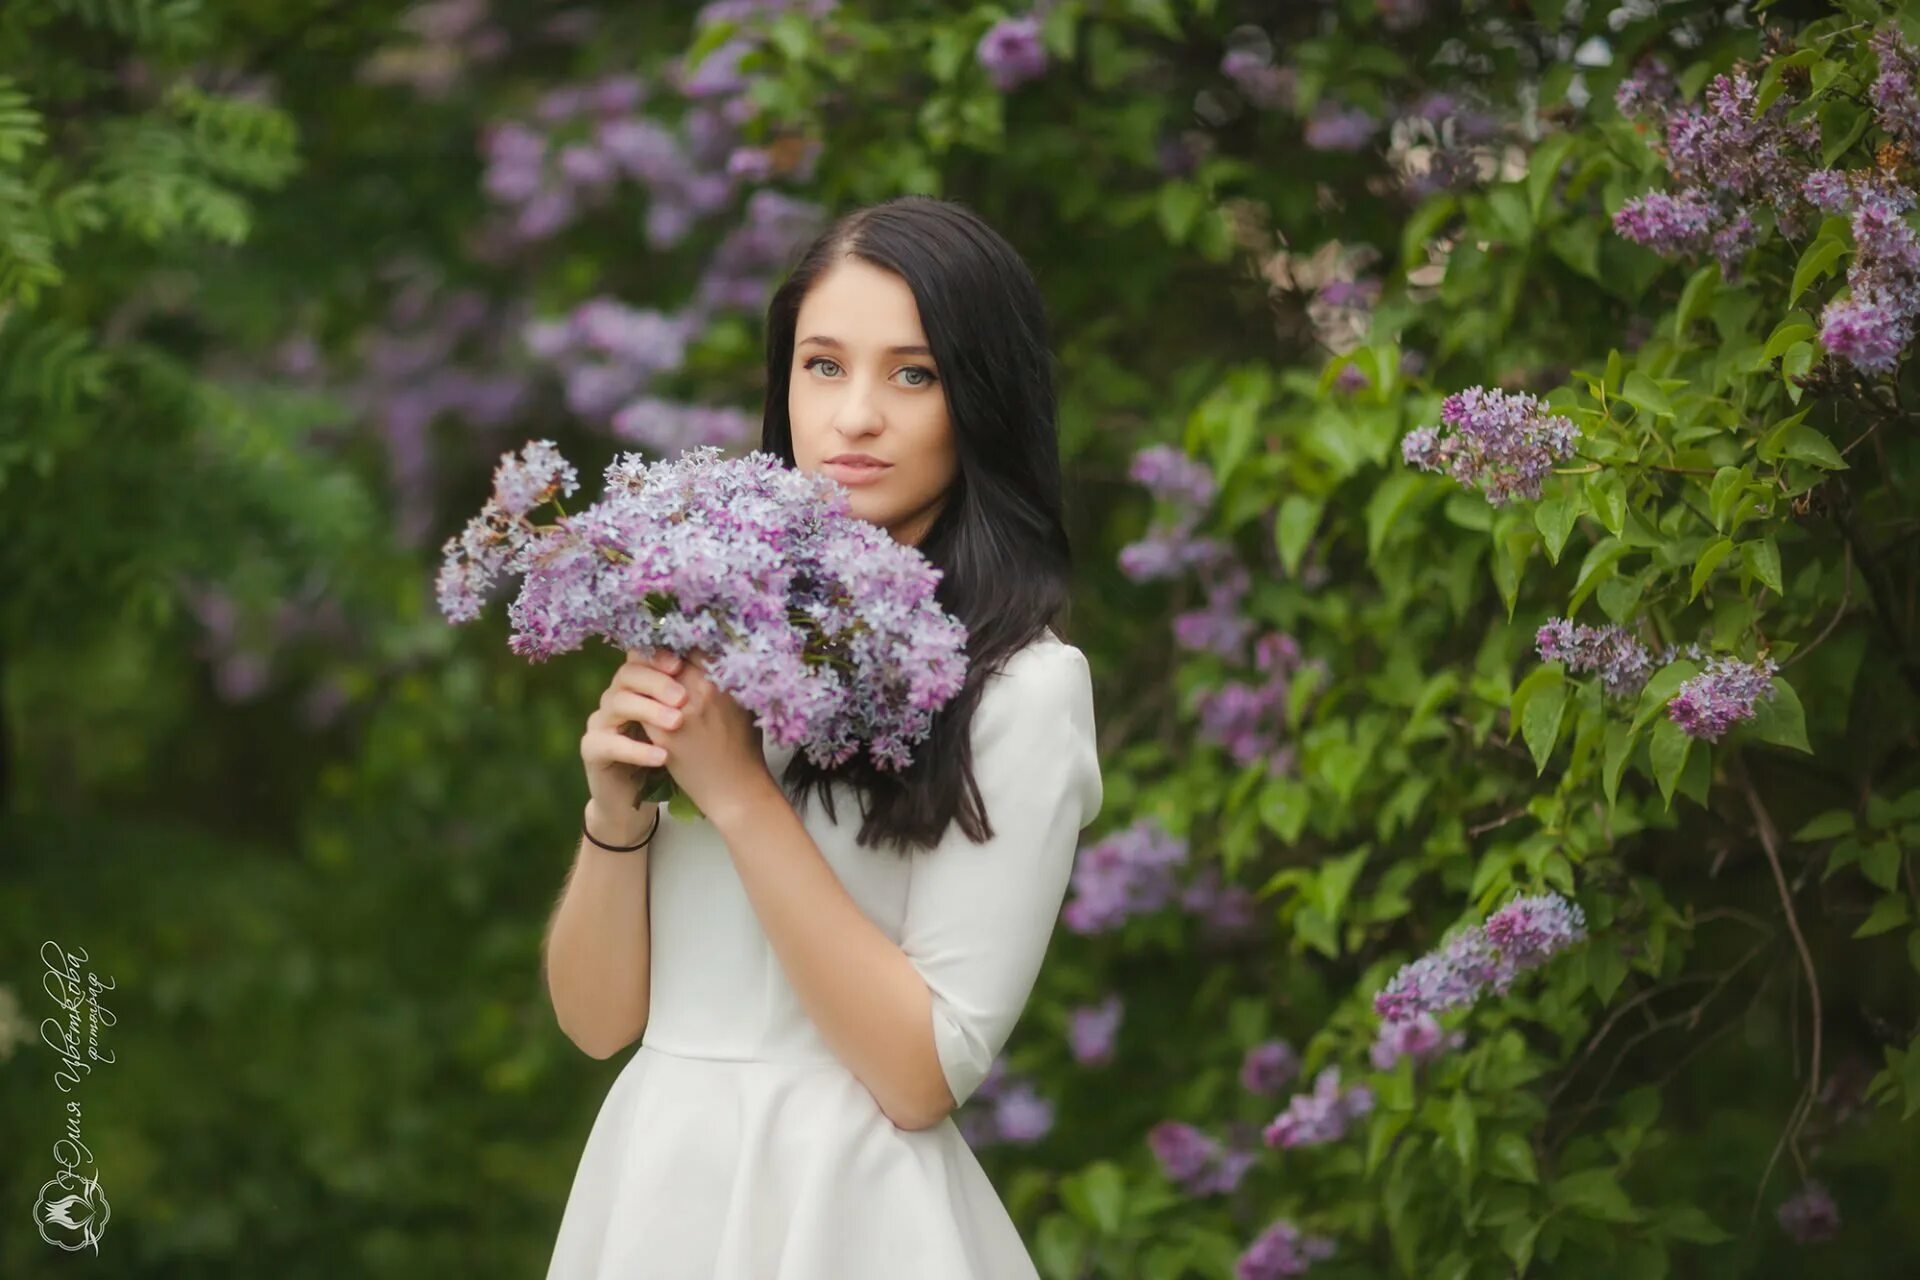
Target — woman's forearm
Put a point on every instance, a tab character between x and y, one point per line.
598	946
870	1004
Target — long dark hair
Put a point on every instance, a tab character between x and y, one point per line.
1000	539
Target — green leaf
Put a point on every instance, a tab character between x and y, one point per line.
1710	557
1880	863
1555	517
1596	568
1293	528
1695	299
1620	740
1668	751
1645	394
1511	1156
1179	204
1540	719
1781	719
1692	1225
1596	1193
1390	498
1802	443
1815	263
1888	913
1334	881
1463	1129
1834	822
1762	558
1725	489
1543	166
1608	494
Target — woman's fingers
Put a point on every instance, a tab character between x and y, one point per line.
622	705
659	659
637	677
610	744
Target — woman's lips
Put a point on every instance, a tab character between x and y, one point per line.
856	473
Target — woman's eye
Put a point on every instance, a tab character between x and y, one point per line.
925	375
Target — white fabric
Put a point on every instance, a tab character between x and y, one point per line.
733	1145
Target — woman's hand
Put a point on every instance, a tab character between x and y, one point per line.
642	692
714	749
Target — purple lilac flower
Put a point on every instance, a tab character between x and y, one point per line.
1220	626
1474	961
1622	661
1281	1250
1809	1215
1093	1028
1196	1162
1260	82
1529	930
1896	90
1012	53
1501	443
1351	378
1419	1038
766	569
667	427
1321	1115
1172	476
1127	873
1225	910
1722	696
1875	325
1021	1114
1169	550
1649	90
1332	127
1268	1067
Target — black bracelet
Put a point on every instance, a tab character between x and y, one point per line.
622	848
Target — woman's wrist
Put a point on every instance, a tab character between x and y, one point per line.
624	825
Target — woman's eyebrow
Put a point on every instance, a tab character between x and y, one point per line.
838	345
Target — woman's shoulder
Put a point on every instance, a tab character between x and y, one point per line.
1047	678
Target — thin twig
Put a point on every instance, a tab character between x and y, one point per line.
1770	842
1846	597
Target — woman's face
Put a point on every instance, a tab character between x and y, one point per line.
864	382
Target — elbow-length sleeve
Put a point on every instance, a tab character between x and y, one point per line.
979	916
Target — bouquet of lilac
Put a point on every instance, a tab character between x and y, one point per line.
816	621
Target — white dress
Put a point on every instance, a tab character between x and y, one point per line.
733	1145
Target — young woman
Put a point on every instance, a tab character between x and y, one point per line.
820	984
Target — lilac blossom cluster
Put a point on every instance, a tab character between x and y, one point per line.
1809	1215
818	622
1092	1030
1130	872
449	38
435	352
1197	1162
242	644
1419	1038
1245	717
1320	1115
1501	443
1895	92
1252	70
1268	1067
1005	1108
1616	653
1170	547
1283	1249
610	355
1875	323
1011	52
1520	936
1725	162
1727	692
585	139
